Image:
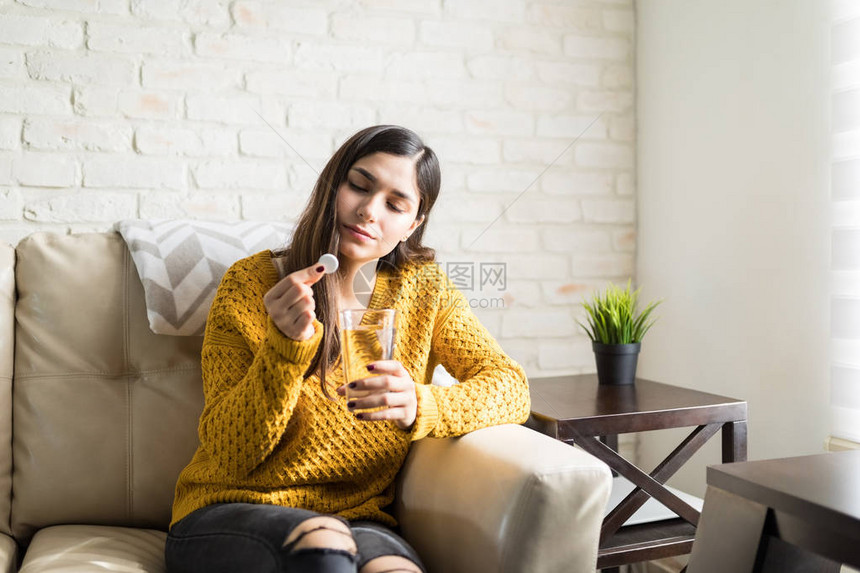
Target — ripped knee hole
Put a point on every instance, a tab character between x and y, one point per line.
390	564
321	533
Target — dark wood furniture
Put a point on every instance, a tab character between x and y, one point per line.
576	409
785	515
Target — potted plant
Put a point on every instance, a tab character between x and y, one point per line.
616	329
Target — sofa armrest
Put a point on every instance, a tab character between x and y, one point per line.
8	554
503	499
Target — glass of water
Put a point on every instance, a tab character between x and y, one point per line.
366	335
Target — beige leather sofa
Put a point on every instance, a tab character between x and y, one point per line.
98	415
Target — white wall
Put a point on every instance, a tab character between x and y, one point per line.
733	190
113	109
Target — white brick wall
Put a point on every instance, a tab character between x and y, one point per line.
212	109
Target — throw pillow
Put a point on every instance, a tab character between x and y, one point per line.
181	262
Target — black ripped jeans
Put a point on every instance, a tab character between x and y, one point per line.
248	537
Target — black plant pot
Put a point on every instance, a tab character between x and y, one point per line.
616	363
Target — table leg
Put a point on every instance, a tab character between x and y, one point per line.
612	441
734	442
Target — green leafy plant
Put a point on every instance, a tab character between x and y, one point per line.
613	317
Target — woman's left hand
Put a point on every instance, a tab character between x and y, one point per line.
390	387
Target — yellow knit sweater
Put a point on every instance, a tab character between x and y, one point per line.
268	436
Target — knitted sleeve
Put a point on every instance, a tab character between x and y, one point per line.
493	388
252	376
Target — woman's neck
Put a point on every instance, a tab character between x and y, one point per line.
356	284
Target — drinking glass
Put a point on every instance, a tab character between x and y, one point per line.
366	335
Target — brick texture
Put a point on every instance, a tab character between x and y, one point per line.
217	109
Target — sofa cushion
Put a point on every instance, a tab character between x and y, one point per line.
7	336
81	548
8	554
105	412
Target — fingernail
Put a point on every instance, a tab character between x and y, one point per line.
370	366
352	384
350	405
320	269
360	416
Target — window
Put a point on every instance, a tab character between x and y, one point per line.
845	232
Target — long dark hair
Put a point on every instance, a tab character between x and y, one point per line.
316	230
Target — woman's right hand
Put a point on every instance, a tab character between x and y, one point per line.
291	303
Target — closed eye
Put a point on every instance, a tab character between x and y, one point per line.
357	188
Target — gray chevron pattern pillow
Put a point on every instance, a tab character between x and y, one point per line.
181	262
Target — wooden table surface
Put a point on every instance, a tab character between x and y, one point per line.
824	488
645	405
761	509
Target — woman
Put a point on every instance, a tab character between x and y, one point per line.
287	477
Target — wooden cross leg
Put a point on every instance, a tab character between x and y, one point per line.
653	484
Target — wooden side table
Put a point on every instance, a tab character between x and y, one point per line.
577	410
788	515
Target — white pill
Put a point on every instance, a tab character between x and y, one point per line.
330	262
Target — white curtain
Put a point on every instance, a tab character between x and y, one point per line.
845	206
